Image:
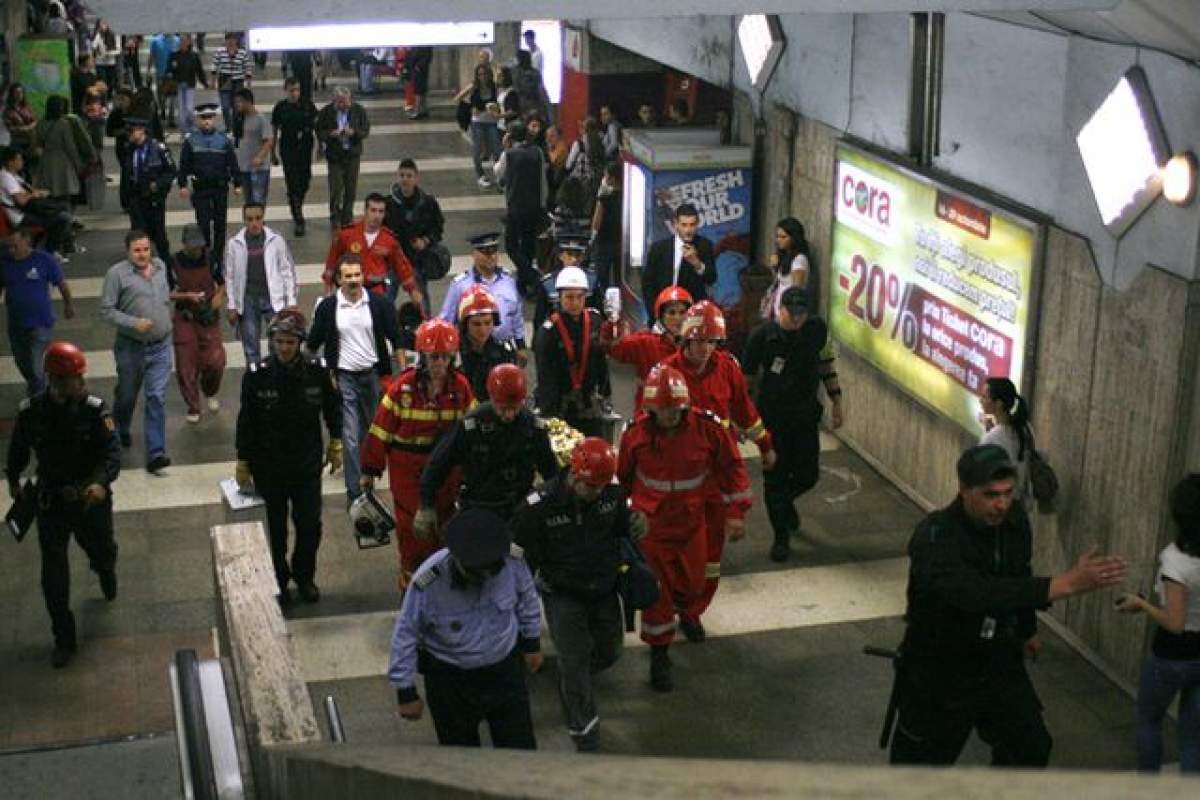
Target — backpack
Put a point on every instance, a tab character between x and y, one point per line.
1042	480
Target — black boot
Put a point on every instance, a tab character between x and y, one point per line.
108	584
62	654
297	215
781	550
660	669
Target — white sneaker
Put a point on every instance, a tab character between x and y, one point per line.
484	183
214	404
193	418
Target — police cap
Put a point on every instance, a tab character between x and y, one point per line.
477	537
482	241
983	464
207	110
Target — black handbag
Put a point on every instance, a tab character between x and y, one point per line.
434	261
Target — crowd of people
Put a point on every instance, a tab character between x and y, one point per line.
509	495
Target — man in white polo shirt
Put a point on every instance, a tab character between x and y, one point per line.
355	327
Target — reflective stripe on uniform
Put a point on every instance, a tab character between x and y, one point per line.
733	498
423	414
756	431
712	569
654	630
379	433
417	440
684	485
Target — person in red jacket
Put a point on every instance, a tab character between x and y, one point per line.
385	267
421	405
715	383
644	349
668	459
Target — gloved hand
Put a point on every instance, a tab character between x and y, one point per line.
245	480
425	523
638	524
333	455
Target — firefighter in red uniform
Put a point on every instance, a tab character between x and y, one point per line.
644	349
669	458
385	267
421	405
715	383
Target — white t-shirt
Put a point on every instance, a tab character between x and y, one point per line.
10	186
356	334
1006	437
1177	565
370	237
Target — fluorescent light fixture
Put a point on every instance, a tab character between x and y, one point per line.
636	209
1124	149
1179	179
548	35
761	42
371	34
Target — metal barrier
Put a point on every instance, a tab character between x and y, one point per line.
333	718
209	768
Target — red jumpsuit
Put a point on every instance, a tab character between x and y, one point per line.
667	475
378	259
720	387
642	349
407	425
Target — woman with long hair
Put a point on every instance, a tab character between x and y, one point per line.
1006	423
792	264
130	69
20	119
483	97
507	98
585	161
1173	665
106	50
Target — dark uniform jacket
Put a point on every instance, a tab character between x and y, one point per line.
498	460
477	365
296	124
210	161
75	443
152	182
554	369
574	547
788	363
971	592
279	424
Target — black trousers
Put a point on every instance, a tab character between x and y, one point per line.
302	493
797	467
520	242
151	217
93	529
943	700
297	169
212	206
588	635
460	699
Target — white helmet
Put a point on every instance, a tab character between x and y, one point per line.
571	278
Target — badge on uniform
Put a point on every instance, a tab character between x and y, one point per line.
778	364
406	400
355	248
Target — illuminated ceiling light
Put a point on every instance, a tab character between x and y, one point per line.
371	34
1124	149
761	42
1179	179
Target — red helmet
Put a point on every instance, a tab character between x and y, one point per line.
506	385
477	300
593	461
665	388
64	360
671	294
289	321
437	336
703	321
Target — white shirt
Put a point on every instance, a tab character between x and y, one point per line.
678	260
356	334
370	237
1006	436
1177	565
537	58
10	187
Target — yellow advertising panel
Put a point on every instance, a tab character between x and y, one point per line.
929	285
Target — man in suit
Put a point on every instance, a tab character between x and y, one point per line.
686	259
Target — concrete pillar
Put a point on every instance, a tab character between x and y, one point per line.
12	23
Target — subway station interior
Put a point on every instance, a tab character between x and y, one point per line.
987	188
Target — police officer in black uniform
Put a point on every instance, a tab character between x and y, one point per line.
791	357
210	161
78	457
146	176
499	444
971	602
294	119
571	530
284	398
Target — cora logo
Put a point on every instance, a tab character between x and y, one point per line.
866	203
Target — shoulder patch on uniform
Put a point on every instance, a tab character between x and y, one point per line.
509	346
469	423
460	276
427	577
94	401
538	422
516	551
24	404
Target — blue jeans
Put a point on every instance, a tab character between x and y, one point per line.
484	135
187	107
360	397
29	349
255	184
250	325
143	365
1161	680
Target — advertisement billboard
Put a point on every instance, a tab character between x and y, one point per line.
929	285
44	68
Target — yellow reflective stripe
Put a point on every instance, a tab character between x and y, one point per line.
390	405
430	415
379	433
712	569
757	430
414	439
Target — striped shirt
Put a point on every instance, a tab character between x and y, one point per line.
232	67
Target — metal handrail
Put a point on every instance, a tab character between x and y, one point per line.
337	734
196	771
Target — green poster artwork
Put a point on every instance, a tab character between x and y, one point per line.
44	68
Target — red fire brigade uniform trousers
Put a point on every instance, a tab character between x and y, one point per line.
667	476
403	433
642	349
199	352
720	387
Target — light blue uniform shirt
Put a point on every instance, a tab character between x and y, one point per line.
504	288
470	627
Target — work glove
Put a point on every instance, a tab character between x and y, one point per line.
333	455
425	524
245	480
638	524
